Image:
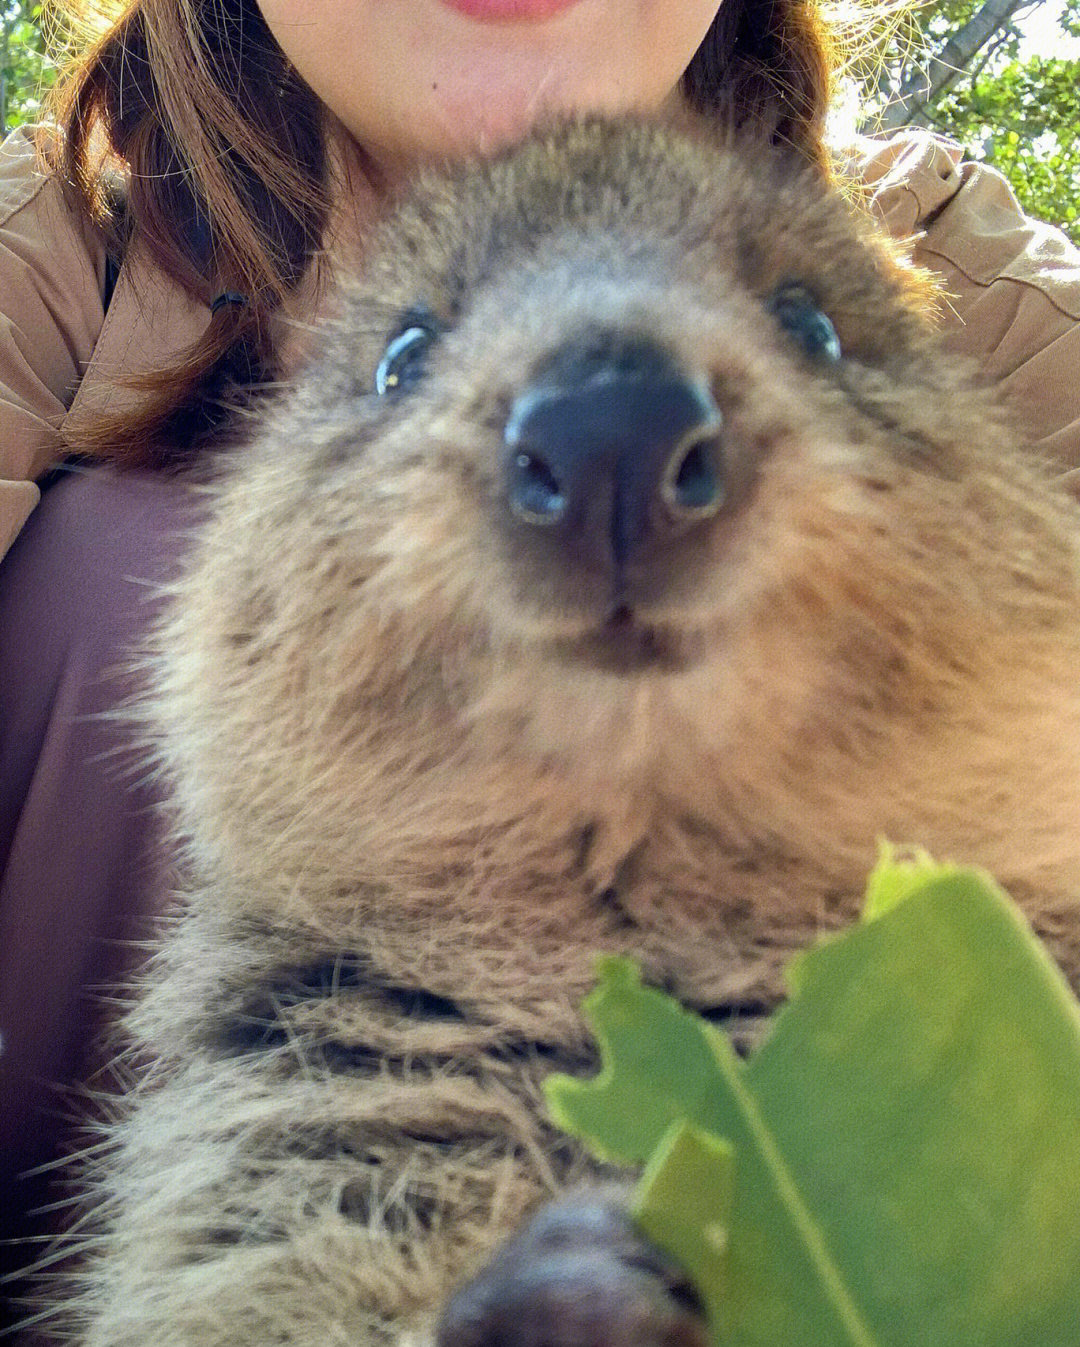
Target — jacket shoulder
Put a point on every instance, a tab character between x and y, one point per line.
1011	283
52	264
921	186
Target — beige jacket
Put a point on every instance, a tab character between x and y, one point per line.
1014	288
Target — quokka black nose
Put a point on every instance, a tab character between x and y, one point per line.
614	439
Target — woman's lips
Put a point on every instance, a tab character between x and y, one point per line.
522	10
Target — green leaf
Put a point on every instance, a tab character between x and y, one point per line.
906	1142
683	1204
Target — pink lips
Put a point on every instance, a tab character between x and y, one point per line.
523	10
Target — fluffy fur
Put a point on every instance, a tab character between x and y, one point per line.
417	802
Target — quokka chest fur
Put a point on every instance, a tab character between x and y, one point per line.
433	749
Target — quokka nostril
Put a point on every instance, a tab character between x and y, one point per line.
693	483
536	496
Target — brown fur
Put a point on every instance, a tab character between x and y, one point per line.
417	806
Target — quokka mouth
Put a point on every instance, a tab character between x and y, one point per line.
627	644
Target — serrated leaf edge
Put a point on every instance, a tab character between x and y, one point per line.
618	970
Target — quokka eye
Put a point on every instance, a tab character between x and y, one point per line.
797	312
403	362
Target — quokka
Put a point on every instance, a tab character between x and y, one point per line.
627	559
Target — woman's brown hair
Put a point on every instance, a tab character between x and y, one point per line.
221	153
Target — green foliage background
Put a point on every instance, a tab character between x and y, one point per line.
1019	112
25	70
1016	110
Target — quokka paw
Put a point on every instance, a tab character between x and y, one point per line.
577	1275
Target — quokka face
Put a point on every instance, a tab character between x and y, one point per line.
670	512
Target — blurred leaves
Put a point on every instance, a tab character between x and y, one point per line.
26	71
1010	102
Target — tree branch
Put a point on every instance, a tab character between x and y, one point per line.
923	85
